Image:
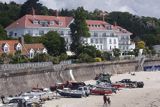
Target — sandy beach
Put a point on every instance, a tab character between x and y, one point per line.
137	97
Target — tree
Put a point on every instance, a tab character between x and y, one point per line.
41	57
54	43
31	6
84	57
106	55
116	52
140	45
3	34
79	29
87	49
28	38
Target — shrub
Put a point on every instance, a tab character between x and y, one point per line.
98	59
63	56
55	60
85	58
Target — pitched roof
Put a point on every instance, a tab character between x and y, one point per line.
97	25
11	43
27	21
35	47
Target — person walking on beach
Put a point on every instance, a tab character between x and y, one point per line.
109	101
104	98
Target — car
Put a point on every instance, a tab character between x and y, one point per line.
131	84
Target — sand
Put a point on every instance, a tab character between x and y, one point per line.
149	96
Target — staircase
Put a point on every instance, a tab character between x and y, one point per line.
140	64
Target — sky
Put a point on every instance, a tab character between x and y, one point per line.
138	7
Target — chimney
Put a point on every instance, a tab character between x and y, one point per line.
115	23
33	11
57	13
21	39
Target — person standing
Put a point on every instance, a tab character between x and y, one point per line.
109	101
104	98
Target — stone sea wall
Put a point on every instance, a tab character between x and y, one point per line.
22	77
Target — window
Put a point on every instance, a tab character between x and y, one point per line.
15	34
110	41
96	40
31	55
60	23
41	32
110	48
61	32
112	34
104	34
51	22
115	41
101	41
19	48
35	22
95	34
10	33
92	41
6	49
44	23
101	47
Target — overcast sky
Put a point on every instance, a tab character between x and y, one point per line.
138	7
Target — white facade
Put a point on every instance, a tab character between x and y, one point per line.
156	48
104	37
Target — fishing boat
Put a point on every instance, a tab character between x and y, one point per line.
66	92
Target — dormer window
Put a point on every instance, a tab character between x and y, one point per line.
6	48
51	22
60	23
35	22
19	47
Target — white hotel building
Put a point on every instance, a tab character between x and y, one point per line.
104	36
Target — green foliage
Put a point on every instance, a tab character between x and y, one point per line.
140	45
84	57
6	58
79	29
89	50
55	60
97	59
41	57
116	52
136	52
3	34
29	5
29	39
106	55
54	43
63	56
8	13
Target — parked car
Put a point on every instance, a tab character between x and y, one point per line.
132	84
